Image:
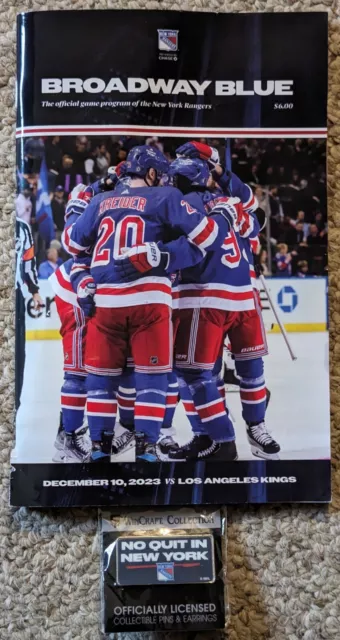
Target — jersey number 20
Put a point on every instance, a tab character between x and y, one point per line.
128	232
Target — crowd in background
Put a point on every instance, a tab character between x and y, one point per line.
287	176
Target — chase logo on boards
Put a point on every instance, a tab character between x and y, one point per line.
287	299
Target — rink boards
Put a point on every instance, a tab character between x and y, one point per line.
300	302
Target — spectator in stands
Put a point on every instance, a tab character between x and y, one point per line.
288	232
80	155
263	263
240	160
302	271
121	155
274	202
23	203
300	234
300	220
307	201
315	237
319	221
317	250
283	261
67	175
50	265
261	198
254	177
295	181
53	156
103	160
58	208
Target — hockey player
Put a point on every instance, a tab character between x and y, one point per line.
72	442
137	313
254	403
72	283
251	332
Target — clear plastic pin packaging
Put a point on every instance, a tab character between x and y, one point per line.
162	570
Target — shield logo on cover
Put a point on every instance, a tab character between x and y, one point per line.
167	40
165	571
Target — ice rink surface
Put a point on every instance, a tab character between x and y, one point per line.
298	414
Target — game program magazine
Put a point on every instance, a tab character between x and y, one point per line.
171	259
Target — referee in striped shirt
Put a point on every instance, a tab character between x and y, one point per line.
26	274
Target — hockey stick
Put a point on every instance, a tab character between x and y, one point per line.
277	318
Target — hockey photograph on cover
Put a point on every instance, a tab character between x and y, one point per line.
171	311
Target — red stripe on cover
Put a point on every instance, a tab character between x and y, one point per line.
217	132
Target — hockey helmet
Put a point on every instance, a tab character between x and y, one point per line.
195	170
141	159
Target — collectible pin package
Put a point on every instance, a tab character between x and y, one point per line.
171	279
162	570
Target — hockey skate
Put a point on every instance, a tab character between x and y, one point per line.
199	448
165	445
146	450
261	443
123	442
101	449
59	442
226	452
77	446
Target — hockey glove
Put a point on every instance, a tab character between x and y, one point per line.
110	180
85	295
140	260
78	200
199	150
231	209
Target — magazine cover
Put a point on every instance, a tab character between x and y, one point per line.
171	269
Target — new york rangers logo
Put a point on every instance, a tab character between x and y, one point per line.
165	571
167	40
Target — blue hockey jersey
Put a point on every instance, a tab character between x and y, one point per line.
231	185
222	280
113	222
63	285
